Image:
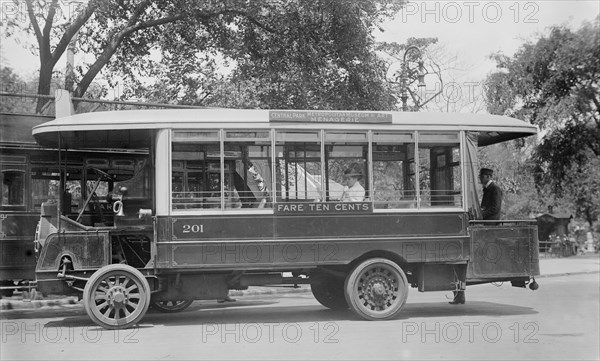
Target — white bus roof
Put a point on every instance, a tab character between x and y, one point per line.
134	128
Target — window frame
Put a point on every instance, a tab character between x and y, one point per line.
24	174
321	132
222	210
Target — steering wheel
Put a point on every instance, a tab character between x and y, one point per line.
102	174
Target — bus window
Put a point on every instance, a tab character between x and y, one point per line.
345	151
393	171
299	174
45	184
196	170
439	173
13	187
248	177
137	182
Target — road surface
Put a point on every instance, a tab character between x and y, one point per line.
559	321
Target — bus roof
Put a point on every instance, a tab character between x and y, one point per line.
134	128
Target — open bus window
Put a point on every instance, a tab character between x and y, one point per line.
247	155
137	180
45	185
345	151
299	175
394	171
439	173
196	170
13	188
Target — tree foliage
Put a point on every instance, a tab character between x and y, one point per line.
555	84
303	54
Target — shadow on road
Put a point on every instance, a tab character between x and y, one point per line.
273	311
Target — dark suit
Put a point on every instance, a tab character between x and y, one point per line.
491	203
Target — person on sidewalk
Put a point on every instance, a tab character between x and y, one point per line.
491	205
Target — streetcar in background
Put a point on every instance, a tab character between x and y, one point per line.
30	176
229	199
18	215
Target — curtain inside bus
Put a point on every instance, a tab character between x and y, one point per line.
472	167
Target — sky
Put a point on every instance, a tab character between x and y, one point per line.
472	30
468	30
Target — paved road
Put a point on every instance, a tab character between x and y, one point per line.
559	321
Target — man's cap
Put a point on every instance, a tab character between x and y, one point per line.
352	172
486	171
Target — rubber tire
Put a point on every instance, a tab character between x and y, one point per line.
329	291
123	271
180	306
357	278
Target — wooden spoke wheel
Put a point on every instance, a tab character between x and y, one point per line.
376	289
171	306
116	296
329	291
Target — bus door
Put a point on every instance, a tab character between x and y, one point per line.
503	250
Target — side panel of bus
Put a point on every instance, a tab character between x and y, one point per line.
267	241
503	251
17	230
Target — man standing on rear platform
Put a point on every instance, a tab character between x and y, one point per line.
491	205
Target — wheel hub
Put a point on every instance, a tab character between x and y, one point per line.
378	290
117	296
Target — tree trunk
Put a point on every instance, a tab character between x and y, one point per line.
44	84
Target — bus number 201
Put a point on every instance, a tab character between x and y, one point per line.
193	228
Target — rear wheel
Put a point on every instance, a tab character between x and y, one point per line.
116	296
171	306
329	291
376	289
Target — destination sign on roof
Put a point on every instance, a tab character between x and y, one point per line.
299	116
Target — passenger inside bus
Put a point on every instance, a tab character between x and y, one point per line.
353	191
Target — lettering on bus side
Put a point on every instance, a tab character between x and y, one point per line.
316	208
329	117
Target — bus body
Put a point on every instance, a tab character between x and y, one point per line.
229	199
29	176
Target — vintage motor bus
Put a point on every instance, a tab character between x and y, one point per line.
229	199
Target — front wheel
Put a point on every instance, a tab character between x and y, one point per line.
376	289
116	296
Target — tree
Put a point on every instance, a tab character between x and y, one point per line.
554	83
316	55
287	41
10	83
